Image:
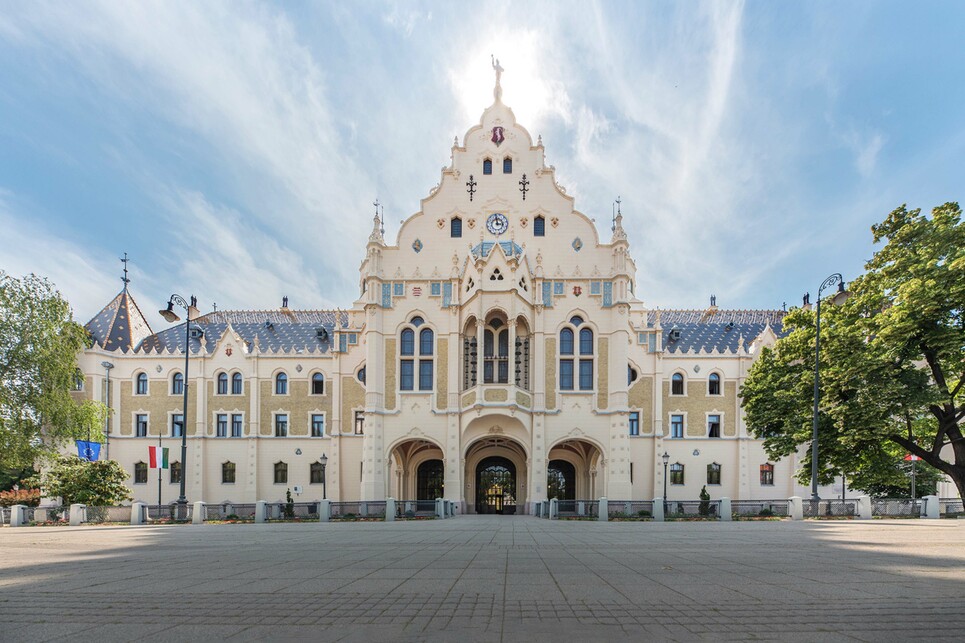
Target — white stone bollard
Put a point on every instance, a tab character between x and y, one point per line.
864	507
725	510
261	508
16	515
197	515
324	510
580	508
78	514
795	508
554	509
658	509
440	510
389	509
603	510
138	509
932	508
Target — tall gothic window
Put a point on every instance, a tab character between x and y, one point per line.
677	384
237	384
414	358
281	384
713	384
177	384
140	385
576	360
496	353
222	383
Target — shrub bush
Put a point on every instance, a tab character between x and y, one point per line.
29	497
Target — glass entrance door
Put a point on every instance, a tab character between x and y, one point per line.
496	486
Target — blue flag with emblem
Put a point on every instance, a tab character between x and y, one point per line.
88	450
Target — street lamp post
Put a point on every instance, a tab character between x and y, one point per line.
107	433
838	299
666	459
324	461
172	317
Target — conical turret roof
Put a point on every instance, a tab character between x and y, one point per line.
120	325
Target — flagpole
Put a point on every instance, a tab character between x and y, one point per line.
160	461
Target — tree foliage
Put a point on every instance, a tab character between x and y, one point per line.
39	344
892	361
74	480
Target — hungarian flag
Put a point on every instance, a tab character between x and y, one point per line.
911	458
158	457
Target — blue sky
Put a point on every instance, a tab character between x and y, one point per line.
234	149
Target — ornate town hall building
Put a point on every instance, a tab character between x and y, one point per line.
497	356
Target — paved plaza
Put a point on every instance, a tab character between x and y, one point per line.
486	578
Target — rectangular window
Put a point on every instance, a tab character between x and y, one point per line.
318	426
586	374
140	428
359	422
713	426
237	384
237	425
222	384
558	288
595	287
455	228
398	289
222	426
539	227
425	375
607	294
713	473
676	426
447	294
281	426
652	343
281	473
634	422
386	295
547	294
767	475
175	472
566	375
140	473
676	473
406	375
315	473
177	425
435	289
228	473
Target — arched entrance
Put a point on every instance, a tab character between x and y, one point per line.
415	471
495	486
430	480
560	480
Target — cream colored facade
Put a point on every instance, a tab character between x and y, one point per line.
545	402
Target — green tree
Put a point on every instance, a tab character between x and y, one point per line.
39	344
98	484
892	362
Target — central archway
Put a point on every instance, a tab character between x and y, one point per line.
495	486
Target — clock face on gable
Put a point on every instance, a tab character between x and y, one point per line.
497	223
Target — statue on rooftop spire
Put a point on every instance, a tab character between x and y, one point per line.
498	90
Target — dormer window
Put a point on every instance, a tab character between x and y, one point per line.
539	226
455	227
488	166
507	165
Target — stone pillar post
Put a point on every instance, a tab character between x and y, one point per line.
725	510
138	510
795	508
78	514
261	511
554	509
932	509
864	507
389	509
16	515
603	513
197	515
324	510
658	509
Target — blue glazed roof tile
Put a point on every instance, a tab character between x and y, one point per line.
120	325
710	330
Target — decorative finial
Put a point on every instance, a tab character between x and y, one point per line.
124	278
617	222
497	90
214	306
378	227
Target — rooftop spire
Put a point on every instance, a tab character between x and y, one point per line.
497	90
617	222
124	278
378	226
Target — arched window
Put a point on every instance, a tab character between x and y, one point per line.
318	384
496	353
281	473
228	472
677	384
631	375
140	473
140	384
222	383
560	480
676	473
360	376
539	226
177	384
281	384
713	473
508	165
430	480
411	360
488	166
713	384
455	227
568	361
237	384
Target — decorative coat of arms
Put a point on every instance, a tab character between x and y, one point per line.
498	135
577	290
227	351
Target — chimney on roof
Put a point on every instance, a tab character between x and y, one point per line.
806	304
284	301
193	311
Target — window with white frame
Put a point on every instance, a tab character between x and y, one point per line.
676	426
318	384
177	425
576	358
177	384
713	426
237	425
713	473
634	422
281	384
676	473
281	473
677	384
140	425
318	425
221	425
140	384
222	383
281	425
237	384
416	357
713	384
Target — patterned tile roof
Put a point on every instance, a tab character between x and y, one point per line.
714	329
276	330
510	248
120	325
